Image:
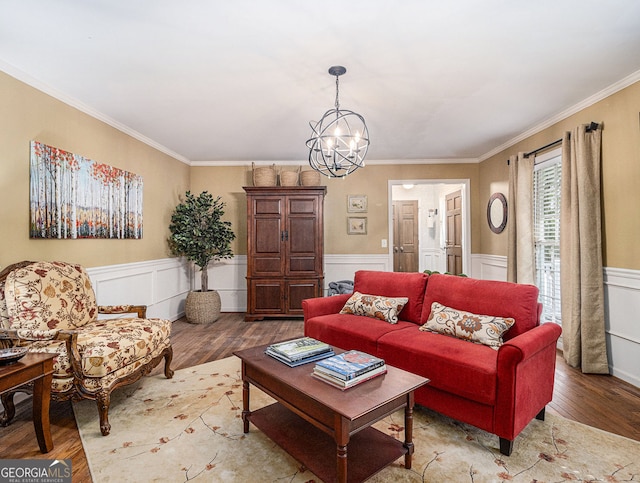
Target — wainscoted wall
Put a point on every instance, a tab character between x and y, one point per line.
622	306
163	286
622	319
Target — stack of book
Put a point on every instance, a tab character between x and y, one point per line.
299	351
349	369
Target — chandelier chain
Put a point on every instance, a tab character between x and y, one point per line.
337	93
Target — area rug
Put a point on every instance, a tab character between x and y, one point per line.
189	428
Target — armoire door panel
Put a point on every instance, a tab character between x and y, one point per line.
264	266
299	265
267	296
268	237
298	206
267	206
299	290
302	235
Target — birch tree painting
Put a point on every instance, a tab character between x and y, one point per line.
75	197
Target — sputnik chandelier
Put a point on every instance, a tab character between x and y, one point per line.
340	139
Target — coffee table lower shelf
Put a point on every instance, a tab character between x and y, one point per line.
368	451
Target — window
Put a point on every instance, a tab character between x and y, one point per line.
546	215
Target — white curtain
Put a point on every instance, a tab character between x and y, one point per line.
581	279
520	242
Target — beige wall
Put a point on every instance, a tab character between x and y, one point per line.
28	114
372	181
619	114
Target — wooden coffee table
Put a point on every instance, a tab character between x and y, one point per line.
324	427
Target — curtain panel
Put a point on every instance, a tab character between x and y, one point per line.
520	242
581	275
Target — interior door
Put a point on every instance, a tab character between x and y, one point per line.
405	236
453	247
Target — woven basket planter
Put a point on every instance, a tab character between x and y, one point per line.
202	307
264	175
309	178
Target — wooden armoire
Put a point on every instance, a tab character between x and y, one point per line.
285	246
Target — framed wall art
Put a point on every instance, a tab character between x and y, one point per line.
75	197
357	225
357	203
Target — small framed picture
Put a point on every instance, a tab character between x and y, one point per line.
357	203
357	225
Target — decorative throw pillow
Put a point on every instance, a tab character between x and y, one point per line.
375	306
480	329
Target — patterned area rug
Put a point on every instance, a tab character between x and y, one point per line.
190	429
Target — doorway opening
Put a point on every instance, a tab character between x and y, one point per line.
430	226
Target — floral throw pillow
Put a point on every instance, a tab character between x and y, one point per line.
375	306
480	329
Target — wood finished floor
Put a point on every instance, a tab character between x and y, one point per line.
604	402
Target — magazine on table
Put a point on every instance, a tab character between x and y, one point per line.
342	384
301	348
298	362
350	364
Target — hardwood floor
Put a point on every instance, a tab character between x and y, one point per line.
604	402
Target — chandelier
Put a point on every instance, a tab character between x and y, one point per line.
340	139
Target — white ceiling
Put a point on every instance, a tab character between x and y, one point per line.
240	80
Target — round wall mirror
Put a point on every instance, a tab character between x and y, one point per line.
497	212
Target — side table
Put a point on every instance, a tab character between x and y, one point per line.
36	368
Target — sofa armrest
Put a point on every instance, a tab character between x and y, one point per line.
535	340
323	305
526	372
141	310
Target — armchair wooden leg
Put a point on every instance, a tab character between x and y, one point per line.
168	357
506	446
540	415
103	400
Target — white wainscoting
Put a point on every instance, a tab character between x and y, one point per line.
163	285
344	267
622	306
488	267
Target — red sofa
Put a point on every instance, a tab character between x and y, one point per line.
499	391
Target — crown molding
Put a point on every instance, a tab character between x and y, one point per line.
62	97
589	101
374	162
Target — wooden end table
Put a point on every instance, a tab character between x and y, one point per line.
36	368
323	427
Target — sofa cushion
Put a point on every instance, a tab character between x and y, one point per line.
351	331
50	296
514	300
395	284
452	365
375	306
479	329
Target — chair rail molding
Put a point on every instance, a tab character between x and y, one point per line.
163	286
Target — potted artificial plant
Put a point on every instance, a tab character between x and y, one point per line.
199	234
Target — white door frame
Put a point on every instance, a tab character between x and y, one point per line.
466	214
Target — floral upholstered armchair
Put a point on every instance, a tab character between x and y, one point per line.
51	307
